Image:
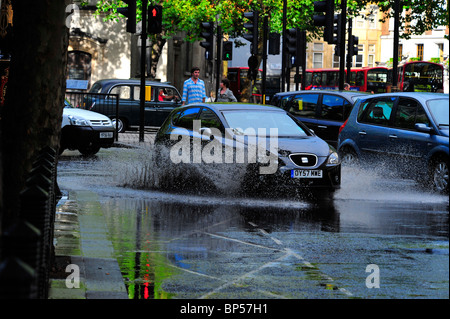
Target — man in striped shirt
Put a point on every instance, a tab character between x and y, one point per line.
194	88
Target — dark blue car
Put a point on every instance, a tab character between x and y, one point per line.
323	111
404	132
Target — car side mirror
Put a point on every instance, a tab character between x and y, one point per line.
206	134
421	127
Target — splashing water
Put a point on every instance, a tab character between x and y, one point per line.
152	169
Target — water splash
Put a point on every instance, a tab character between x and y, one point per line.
378	184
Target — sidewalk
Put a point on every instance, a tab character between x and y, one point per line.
84	264
81	244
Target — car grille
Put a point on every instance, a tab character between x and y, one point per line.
303	159
100	123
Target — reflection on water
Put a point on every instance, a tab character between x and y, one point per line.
157	239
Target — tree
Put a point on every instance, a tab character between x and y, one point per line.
31	116
186	16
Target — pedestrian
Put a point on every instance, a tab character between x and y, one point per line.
225	94
194	88
346	87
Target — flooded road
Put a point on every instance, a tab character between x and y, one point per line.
378	237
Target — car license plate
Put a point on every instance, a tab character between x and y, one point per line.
106	134
306	173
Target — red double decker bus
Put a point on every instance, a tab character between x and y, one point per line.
370	79
420	76
237	76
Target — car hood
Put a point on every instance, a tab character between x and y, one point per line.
88	115
306	144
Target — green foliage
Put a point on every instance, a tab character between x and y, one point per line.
186	15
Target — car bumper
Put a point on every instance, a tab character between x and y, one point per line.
330	180
73	136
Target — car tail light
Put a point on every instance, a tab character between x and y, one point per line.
342	126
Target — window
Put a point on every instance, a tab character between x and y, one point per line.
209	119
79	65
167	94
420	51
304	105
409	112
317	60
360	22
333	107
137	93
359	58
124	91
187	118
336	59
373	17
371	62
377	112
318	47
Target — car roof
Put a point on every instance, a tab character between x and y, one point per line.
110	82
422	96
342	93
218	106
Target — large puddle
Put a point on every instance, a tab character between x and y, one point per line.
158	235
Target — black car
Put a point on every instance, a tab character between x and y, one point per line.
258	148
161	99
322	111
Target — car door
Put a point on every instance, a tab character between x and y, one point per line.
373	129
407	145
304	107
127	105
331	117
167	98
150	108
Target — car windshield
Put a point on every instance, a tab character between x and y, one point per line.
439	110
248	121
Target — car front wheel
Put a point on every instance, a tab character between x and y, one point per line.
348	156
89	150
439	175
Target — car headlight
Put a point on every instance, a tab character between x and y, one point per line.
333	158
78	121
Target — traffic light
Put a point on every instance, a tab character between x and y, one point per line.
208	34
130	13
353	45
326	19
291	44
252	28
154	19
274	43
337	38
227	50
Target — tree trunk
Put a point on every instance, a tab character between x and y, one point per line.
31	116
